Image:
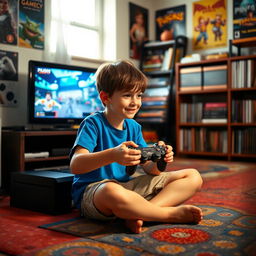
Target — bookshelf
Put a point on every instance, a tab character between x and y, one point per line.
241	43
157	62
216	108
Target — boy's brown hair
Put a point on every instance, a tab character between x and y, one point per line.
120	76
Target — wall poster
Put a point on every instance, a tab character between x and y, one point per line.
138	29
8	78
8	22
244	20
31	24
209	24
170	23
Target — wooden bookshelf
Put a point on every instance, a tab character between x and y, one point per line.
241	43
219	122
158	64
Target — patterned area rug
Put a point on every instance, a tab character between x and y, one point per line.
228	200
223	231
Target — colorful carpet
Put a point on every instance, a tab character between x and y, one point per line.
228	200
223	231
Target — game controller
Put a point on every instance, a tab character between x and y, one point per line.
155	154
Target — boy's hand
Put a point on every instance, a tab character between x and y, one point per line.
169	153
127	156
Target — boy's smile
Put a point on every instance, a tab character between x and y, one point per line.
122	105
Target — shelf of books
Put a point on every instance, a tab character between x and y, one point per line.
157	63
243	106
216	107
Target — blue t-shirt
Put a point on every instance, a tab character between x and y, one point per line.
96	134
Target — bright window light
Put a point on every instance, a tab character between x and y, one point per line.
83	12
84	42
85	29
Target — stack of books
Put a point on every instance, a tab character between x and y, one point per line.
154	105
215	112
153	61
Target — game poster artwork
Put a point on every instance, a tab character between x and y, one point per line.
8	65
138	30
170	23
209	24
8	78
31	23
244	18
8	22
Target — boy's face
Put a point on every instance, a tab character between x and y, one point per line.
124	104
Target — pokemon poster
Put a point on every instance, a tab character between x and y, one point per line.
8	22
170	23
31	24
244	18
209	24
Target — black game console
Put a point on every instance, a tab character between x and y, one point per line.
155	154
42	191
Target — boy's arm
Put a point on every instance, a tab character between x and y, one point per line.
83	161
151	167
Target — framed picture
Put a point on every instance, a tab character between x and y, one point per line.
170	23
244	18
138	30
209	24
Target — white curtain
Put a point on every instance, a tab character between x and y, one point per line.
56	31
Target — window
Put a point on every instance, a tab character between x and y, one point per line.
82	28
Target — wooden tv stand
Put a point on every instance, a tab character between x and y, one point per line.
15	144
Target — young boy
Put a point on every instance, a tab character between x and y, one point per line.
101	152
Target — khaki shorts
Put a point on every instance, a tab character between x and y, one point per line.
147	186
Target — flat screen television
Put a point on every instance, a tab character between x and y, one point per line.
61	94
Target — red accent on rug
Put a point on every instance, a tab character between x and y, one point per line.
20	233
236	191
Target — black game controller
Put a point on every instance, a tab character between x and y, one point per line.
155	154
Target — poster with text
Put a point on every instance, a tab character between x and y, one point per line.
209	24
8	22
31	24
170	23
138	29
244	20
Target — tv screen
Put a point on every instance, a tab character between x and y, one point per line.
61	94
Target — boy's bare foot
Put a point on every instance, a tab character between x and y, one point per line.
134	225
185	214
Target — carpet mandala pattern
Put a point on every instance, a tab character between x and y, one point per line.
223	231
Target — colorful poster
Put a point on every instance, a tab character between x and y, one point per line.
209	24
8	22
170	23
31	24
138	29
244	20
